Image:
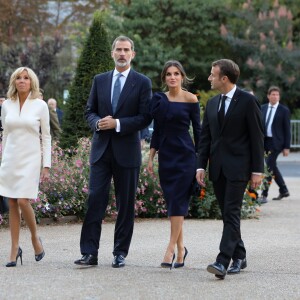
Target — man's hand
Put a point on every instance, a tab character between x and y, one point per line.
107	123
256	181
200	175
286	152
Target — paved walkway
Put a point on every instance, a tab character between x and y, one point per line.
272	241
293	156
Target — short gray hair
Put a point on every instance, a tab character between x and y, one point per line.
122	38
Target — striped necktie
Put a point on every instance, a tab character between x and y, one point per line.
116	93
268	119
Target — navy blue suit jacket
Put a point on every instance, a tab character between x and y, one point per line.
281	126
132	111
237	148
60	114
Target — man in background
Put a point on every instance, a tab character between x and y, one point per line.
276	118
53	105
53	119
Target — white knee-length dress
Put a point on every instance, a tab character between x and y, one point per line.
21	147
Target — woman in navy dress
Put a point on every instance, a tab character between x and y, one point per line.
173	112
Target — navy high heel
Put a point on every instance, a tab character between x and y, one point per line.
168	265
39	257
14	263
180	265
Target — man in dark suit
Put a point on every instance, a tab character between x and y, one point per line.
276	118
231	142
117	109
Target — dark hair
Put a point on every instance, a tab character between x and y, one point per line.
122	38
273	88
228	68
174	63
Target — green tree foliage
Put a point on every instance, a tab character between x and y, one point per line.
95	58
265	48
39	34
26	40
36	53
188	31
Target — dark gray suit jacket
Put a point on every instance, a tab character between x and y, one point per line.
132	111
238	147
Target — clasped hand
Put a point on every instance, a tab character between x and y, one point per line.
107	123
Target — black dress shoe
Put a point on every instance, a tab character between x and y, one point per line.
218	269
236	266
118	262
87	260
287	194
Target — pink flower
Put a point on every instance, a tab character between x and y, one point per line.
78	163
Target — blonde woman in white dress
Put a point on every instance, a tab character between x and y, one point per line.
24	117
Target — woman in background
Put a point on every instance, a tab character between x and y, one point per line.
24	116
173	112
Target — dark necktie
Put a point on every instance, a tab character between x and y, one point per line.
268	119
221	113
116	93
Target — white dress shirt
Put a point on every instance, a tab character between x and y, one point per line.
228	99
273	110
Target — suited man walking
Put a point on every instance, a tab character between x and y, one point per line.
276	118
231	142
117	109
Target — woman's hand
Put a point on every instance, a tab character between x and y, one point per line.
45	174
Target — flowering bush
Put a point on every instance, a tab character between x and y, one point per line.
66	191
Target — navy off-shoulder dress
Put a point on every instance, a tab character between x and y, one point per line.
176	149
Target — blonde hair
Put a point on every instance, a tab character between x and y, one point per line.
34	84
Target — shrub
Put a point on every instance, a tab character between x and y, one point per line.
66	191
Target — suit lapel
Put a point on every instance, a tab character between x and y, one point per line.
129	84
107	92
277	112
264	112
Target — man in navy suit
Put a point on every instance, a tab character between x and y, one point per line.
117	109
231	142
276	118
